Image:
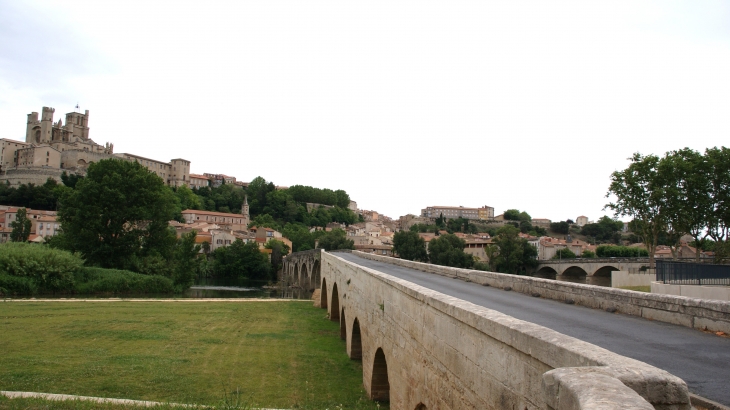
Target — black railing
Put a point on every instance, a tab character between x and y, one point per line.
691	273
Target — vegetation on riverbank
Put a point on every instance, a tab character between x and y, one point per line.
278	354
31	269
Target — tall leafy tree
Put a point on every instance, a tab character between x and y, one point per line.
687	177
119	211
640	191
21	226
515	254
241	260
718	218
448	250
335	239
409	245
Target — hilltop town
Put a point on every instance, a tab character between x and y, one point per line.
52	149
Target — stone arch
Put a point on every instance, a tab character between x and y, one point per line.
379	385
355	341
314	277
335	306
343	325
81	163
37	135
605	271
574	271
546	272
323	295
421	406
302	273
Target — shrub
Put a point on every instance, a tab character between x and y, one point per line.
90	280
50	269
17	286
610	251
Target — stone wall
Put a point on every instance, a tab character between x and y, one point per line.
620	278
721	293
36	175
695	313
421	348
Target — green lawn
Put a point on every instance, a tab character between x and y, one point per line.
637	288
276	354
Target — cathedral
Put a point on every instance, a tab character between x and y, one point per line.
51	148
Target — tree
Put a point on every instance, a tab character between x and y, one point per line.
560	227
119	211
515	254
185	260
241	260
588	254
278	250
409	245
564	253
603	230
448	250
689	194
512	215
640	192
21	226
335	239
718	218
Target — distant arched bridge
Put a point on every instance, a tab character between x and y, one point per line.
589	267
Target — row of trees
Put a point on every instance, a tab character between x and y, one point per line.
509	254
682	193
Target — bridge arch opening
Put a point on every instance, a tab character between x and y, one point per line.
343	325
575	271
314	277
546	272
323	295
379	386
605	271
302	273
355	341
335	307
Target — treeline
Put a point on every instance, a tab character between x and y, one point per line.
509	254
681	193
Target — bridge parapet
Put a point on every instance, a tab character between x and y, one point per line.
423	349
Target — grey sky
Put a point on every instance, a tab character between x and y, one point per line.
403	104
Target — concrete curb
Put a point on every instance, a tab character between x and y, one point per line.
63	397
156	300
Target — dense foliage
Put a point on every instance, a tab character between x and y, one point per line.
409	245
334	240
564	253
241	260
609	251
515	255
21	226
448	250
605	230
683	192
30	269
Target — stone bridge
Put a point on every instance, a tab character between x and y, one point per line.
590	267
421	349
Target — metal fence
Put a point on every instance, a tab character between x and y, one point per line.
691	273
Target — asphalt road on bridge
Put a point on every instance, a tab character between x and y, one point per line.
701	359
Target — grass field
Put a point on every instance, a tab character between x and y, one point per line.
637	288
275	354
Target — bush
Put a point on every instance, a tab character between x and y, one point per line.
17	285
609	251
50	269
90	280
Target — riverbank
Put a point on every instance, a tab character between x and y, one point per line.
275	354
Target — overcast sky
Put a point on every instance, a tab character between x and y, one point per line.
527	105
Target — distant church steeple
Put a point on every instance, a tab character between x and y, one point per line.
244	209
